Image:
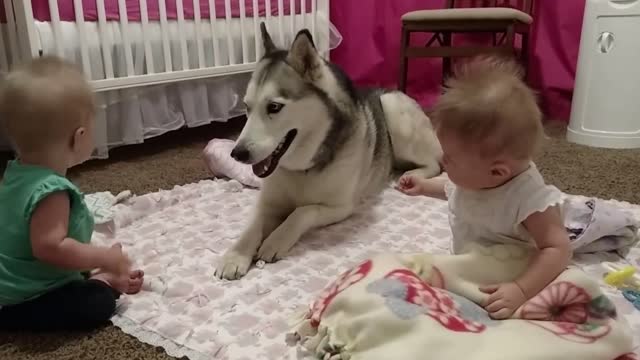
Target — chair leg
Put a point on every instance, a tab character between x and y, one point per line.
524	55
446	60
404	61
510	40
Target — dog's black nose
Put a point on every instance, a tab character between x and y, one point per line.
241	154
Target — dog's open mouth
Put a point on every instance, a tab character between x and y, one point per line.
267	166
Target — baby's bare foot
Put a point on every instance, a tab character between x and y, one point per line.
136	279
125	284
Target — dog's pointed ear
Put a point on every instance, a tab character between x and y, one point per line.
267	43
303	56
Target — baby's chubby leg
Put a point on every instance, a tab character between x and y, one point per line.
483	265
80	305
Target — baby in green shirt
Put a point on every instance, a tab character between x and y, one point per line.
51	277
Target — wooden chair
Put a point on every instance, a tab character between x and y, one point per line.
504	18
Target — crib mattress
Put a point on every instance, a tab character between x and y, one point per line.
178	236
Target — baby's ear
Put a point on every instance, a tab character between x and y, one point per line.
78	134
501	170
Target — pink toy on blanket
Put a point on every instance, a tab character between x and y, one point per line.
217	156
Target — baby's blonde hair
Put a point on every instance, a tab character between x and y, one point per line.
487	105
43	102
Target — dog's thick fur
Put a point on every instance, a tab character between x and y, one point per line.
347	144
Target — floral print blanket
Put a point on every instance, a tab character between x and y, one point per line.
405	306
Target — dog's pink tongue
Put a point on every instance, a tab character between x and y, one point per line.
257	168
262	167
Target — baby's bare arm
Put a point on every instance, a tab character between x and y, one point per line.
554	252
418	186
50	242
433	187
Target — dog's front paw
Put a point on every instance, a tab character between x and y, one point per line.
272	251
233	266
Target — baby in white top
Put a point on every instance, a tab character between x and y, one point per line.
489	126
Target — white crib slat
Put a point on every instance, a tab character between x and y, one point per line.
314	11
13	36
324	31
197	22
124	31
227	19
181	34
4	62
164	28
243	35
26	29
55	23
105	40
281	21
267	9
214	32
303	13
292	18
256	30
148	54
82	35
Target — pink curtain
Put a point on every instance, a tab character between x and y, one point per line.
370	52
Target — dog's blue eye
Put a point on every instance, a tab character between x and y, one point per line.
274	107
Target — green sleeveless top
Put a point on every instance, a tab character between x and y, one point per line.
22	276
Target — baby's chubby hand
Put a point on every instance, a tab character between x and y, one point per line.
116	261
409	185
504	299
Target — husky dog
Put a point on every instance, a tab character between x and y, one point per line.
321	146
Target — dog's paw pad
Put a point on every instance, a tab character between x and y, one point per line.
270	254
233	266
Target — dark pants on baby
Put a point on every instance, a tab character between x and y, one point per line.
77	306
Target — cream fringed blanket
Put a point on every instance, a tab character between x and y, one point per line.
424	306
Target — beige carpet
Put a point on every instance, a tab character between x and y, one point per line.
175	159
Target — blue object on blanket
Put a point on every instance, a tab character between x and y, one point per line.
633	296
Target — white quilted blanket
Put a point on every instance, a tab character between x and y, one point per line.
177	237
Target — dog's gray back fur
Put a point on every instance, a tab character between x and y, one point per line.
378	138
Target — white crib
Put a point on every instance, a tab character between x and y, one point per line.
158	65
